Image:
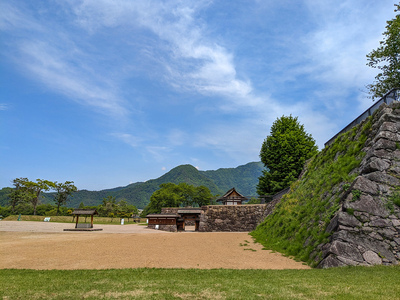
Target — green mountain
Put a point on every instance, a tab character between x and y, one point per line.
243	178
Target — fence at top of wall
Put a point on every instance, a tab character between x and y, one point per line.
392	95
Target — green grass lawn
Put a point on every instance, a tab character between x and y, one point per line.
340	283
68	219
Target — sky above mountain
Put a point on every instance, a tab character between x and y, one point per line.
107	92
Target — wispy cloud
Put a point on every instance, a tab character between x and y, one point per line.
195	61
3	106
177	137
129	139
158	153
50	65
94	48
341	40
52	57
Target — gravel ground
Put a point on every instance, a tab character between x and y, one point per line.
44	245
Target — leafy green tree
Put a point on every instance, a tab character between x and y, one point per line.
202	196
4	196
44	209
63	191
5	211
176	195
386	58
125	210
254	200
31	190
24	208
134	211
108	206
121	208
16	197
284	153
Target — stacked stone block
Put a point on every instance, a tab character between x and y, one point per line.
366	230
234	217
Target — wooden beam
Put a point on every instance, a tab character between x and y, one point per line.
77	218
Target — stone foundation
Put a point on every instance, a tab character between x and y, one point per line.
234	217
170	228
224	217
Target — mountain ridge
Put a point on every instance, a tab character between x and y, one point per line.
244	178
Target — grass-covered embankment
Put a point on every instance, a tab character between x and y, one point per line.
298	224
339	283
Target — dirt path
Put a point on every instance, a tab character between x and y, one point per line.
43	245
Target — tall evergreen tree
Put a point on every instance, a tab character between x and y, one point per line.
284	153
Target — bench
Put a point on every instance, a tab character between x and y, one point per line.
83	225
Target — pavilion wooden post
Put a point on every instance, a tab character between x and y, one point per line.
76	224
91	223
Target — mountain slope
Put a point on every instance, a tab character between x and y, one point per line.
244	178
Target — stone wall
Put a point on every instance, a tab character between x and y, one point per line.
225	217
366	230
234	217
170	210
170	228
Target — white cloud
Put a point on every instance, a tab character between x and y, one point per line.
175	44
195	61
13	18
240	140
158	153
51	66
52	57
3	106
177	137
338	46
128	139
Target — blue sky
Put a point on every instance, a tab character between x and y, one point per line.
106	93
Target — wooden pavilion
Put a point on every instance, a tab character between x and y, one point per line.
84	226
232	197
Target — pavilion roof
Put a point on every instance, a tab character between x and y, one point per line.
163	216
229	193
85	212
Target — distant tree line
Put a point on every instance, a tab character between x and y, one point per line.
24	199
27	191
109	208
178	195
112	208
